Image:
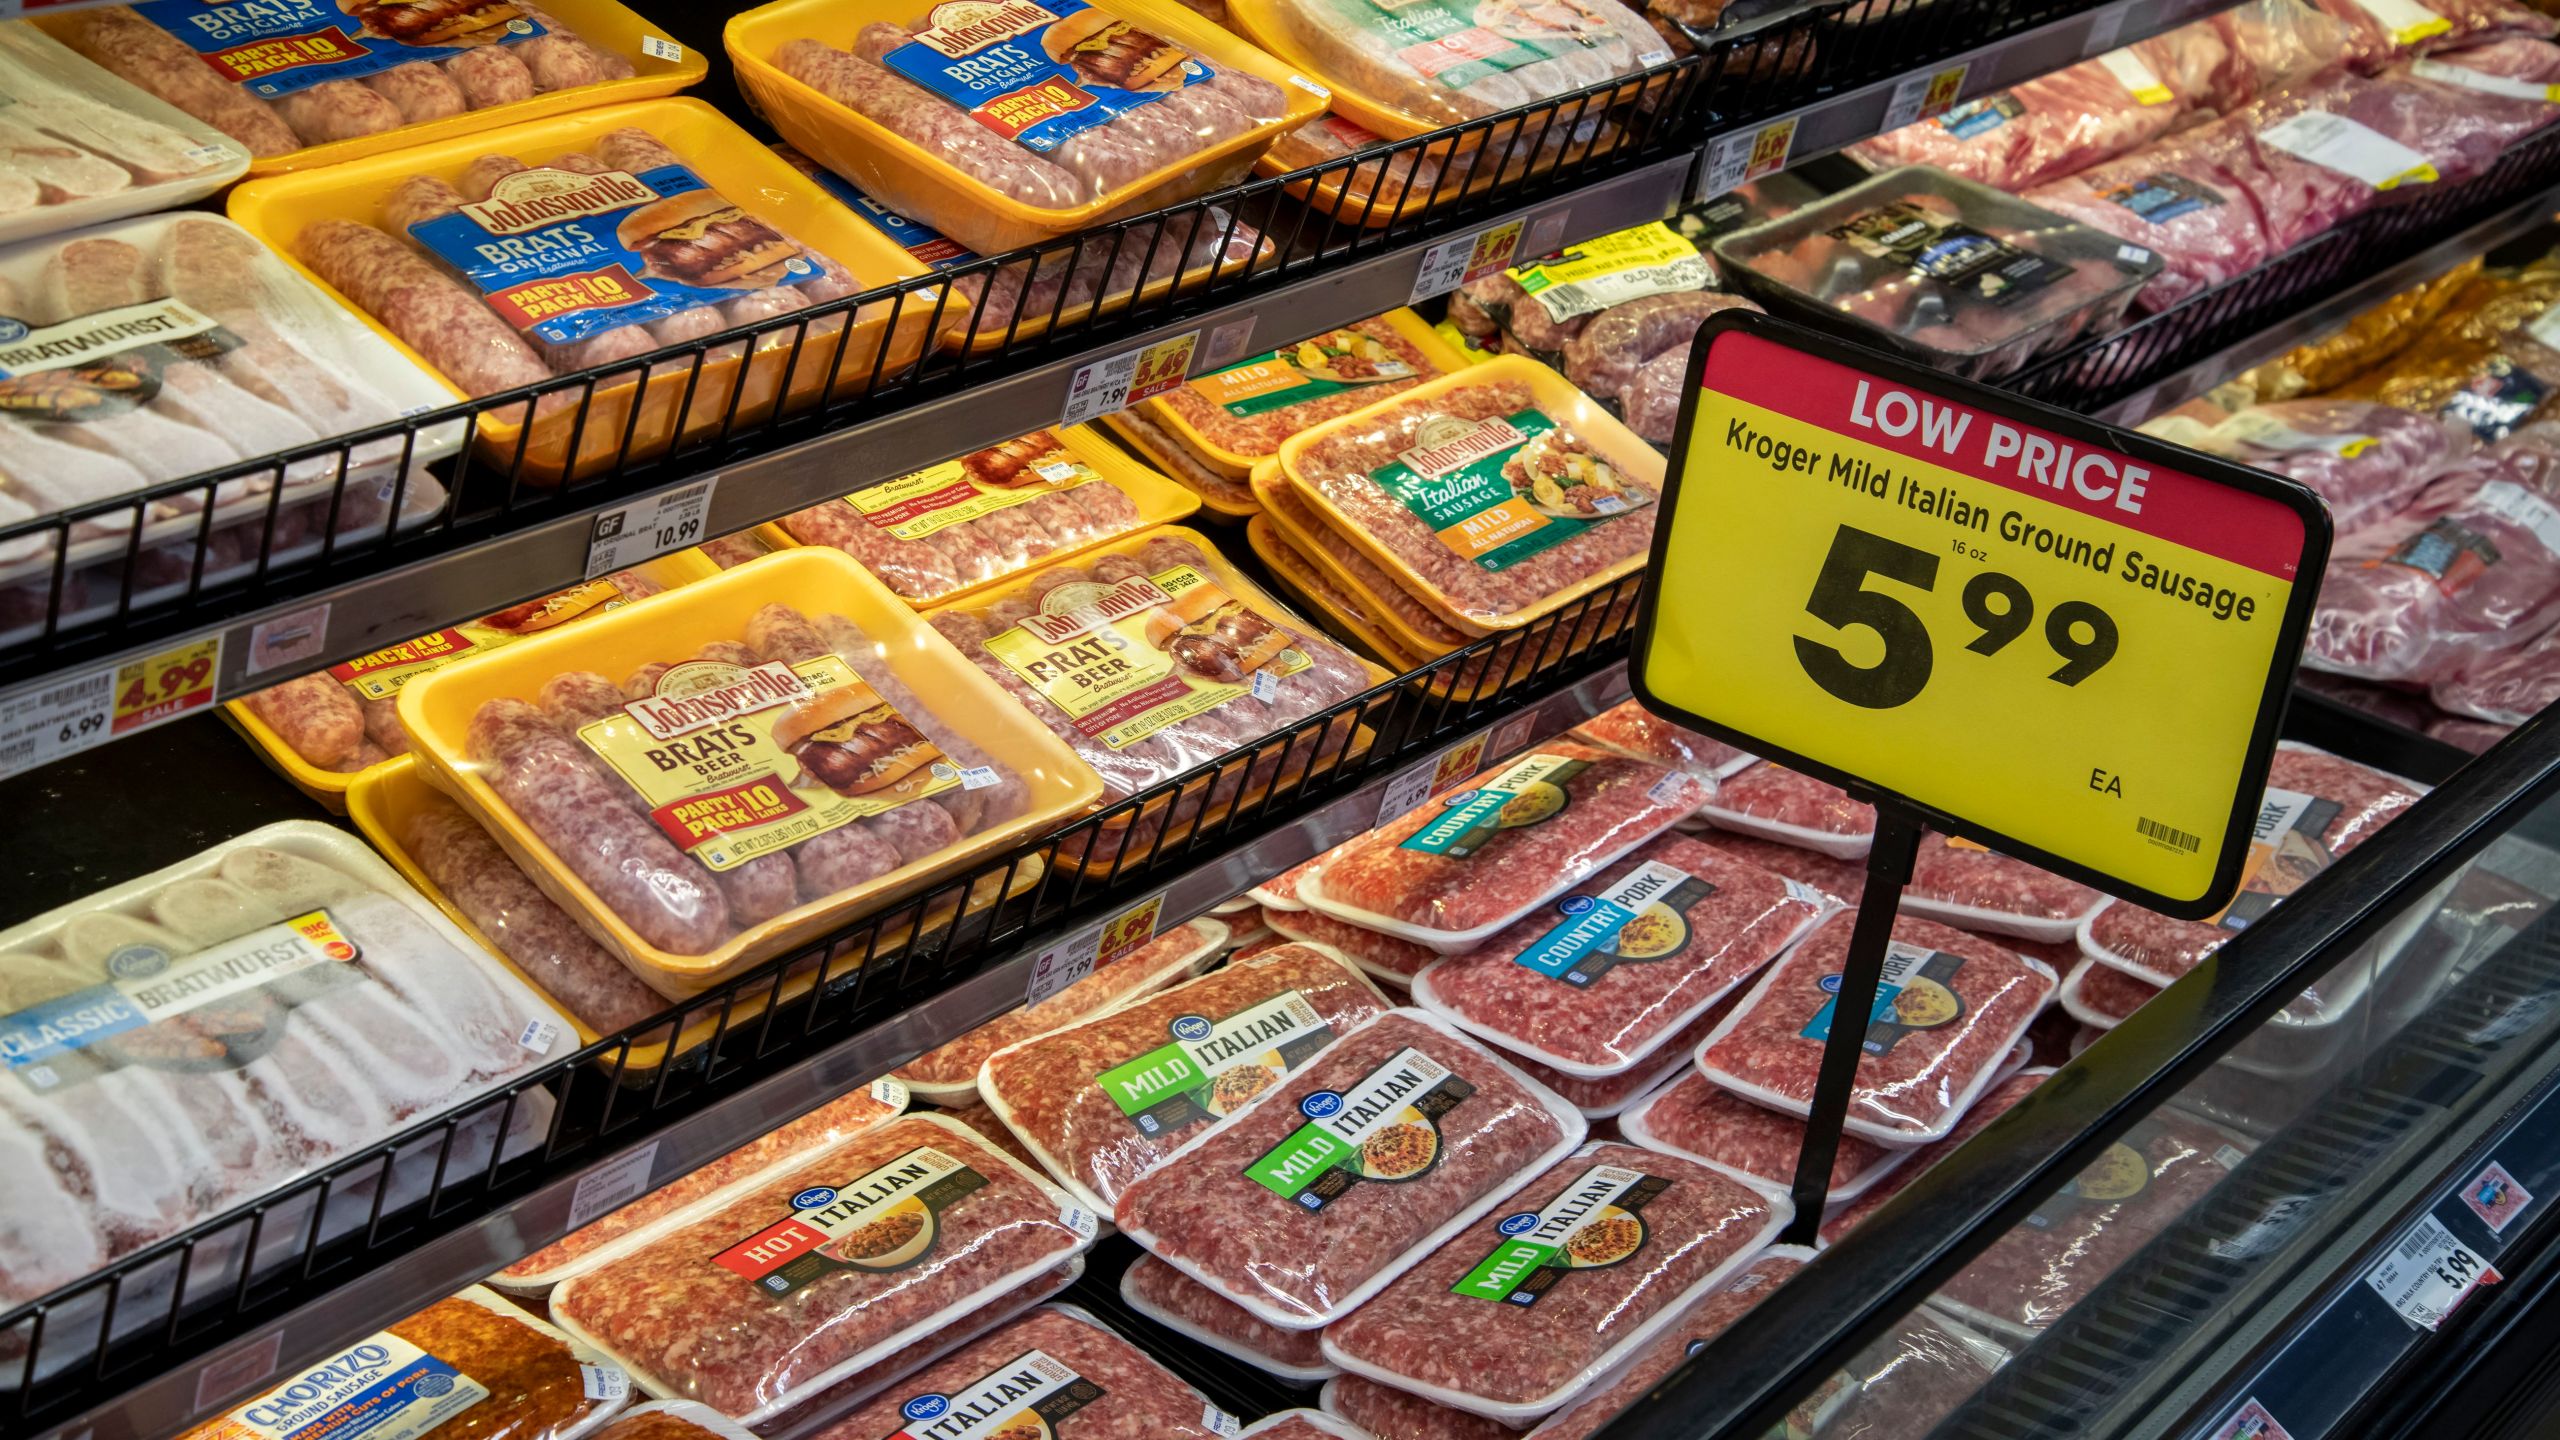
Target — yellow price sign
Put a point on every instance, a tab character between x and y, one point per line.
166	685
1129	931
1944	88
2061	639
1162	366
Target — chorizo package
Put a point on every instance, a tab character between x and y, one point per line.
1104	1101
1329	1185
1512	1317
1948	1011
1909	1165
1776	803
738	767
469	1365
1596	983
251	1014
1630	729
1056	1372
821	1264
1495	495
1698	1323
1453	872
1960	883
2317	808
1196	1312
1234	418
948	1074
1387	1413
673	1420
82	146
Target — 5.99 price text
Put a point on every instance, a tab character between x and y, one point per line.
1998	606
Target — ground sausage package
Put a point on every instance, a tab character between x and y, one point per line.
470	1365
1903	1384
1949	1010
2101	996
1571	1273
1456	870
673	1420
1382	957
1913	1164
1696	1117
820	1265
1105	1100
1609	1098
948	1075
1384	1412
1329	1185
1596	983
1701	1321
1631	729
1957	882
1193	1310
1056	1372
1776	803
1303	1425
1842	880
1234	418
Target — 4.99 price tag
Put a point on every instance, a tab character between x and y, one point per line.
166	685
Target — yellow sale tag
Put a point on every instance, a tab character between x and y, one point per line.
1129	931
1945	88
1973	603
166	685
1493	251
1769	149
1162	365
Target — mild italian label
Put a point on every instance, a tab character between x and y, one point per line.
383	1389
1916	992
1642	918
1330	364
2285	850
1500	490
1025	1399
380	675
1385	1128
1212	1068
1597	1222
885	1220
974	486
105	363
1530	791
1129	658
276	47
734	762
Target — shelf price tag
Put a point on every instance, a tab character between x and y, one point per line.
2064	640
38	727
1924	97
166	686
649	527
1738	159
1111	385
2427	1274
1420	782
1462	259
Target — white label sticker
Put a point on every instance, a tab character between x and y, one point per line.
649	527
1266	687
1111	385
1798	890
611	1185
1310	86
2340	144
1443	266
2447	73
2522	508
1406	791
1738	159
659	47
1670	789
978	777
2104	29
1219	1422
38	727
2428	1273
890	1093
2133	255
1082	1221
539	1036
1062	964
293	639
2407	21
2136	77
603	1382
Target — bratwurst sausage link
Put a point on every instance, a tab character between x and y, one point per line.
315	715
161	63
940	127
1604	358
441	320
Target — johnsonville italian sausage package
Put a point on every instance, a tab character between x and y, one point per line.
1513	1316
1631	729
1776	803
1387	1413
244	1017
1006	126
948	1074
1495	495
79	146
303	83
737	768
1949	1010
1960	883
1596	983
819	1265
1906	1166
1104	1101
1196	1312
950	530
1056	1372
1699	1322
1454	871
1404	620
1343	614
469	1365
1329	1185
1233	419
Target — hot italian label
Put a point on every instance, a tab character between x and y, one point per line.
1529	791
1212	1068
105	363
1329	364
1916	992
1598	1221
1642	918
736	761
1128	658
887	1219
1385	1128
241	991
382	1389
1041	74
380	675
1024	1399
1612	270
1499	490
958	491
2285	850
276	47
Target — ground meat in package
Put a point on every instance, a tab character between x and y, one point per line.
1912	1164
1631	729
1303	1425
1963	884
1696	1117
1775	803
1180	1303
1055	1372
1703	1320
1384	1412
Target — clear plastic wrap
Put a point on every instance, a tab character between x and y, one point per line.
2174	200
2370	339
1910	1165
1105	1101
1419	67
1383	1412
2270	44
1198	1313
1302	1425
1635	356
2507	83
1235	417
2364	460
2507	688
1843	880
673	1420
79	146
1775	803
1695	1117
2382	31
1903	1384
820	1407
1958	882
1631	729
1329	1185
1609	1098
1701	1321
1125	1392
1382	957
2336	146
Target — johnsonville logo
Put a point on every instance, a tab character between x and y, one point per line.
693	696
1072	610
531	199
1449	443
953	31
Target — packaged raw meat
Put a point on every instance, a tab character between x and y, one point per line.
470	1365
1196	1312
948	1074
1635	356
1631	729
1539	307
1842	880
2507	688
79	146
1235	418
1382	957
1526	497
2101	996
673	1420
1697	1323
916	113
840	783
274	1003
2063	122
1057	1372
2370	339
1302	1425
1329	1185
1383	1412
2381	31
2336	146
2177	201
1343	614
1960	883
2478	361
1590	1259
2365	461
1951	273
1695	1117
1598	982
1775	803
1910	1165
388	75
1406	620
2507	82
1946	1016
1451	873
1220	496
1903	1384
2317	808
820	1264
2270	44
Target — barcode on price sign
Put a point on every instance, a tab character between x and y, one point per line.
42	726
1738	159
1924	97
1463	258
2428	1273
1110	385
648	528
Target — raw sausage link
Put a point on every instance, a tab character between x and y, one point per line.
940	127
335	110
420	91
481	882
315	715
441	320
490	76
159	62
1605	358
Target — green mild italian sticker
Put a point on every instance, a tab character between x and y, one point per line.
1213	1068
1499	490
1329	364
1597	1221
1529	791
1384	1128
